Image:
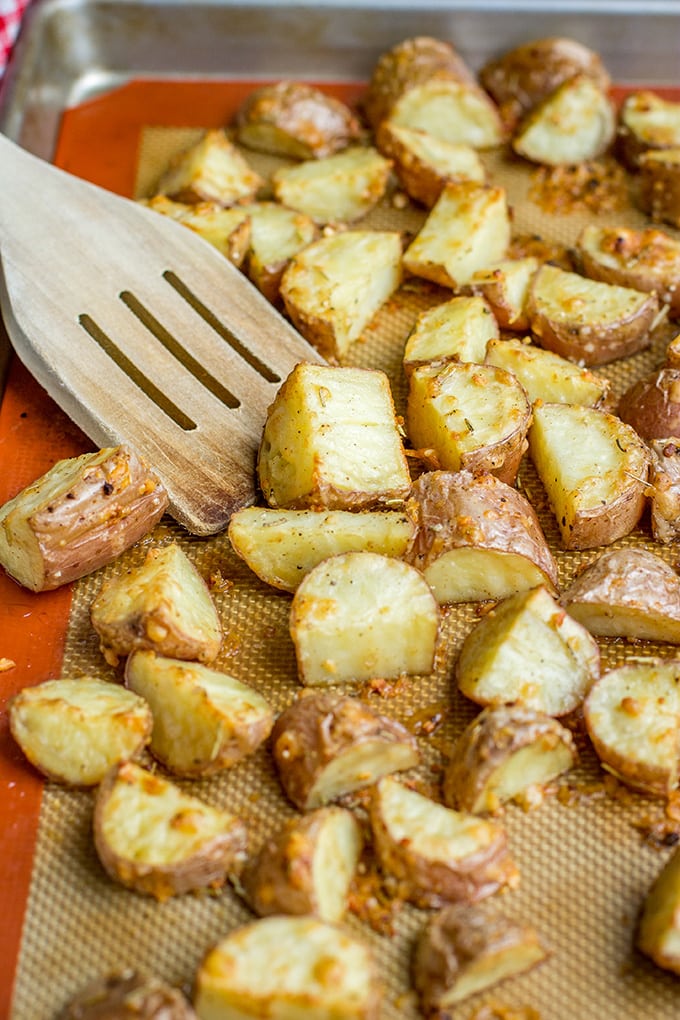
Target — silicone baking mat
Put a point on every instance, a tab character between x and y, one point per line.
584	861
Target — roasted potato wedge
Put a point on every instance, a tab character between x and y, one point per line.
646	260
474	417
476	538
164	605
439	855
423	164
81	514
467	948
588	321
306	867
528	651
226	228
652	404
282	546
594	470
505	286
331	441
524	76
334	287
288	967
659	185
658	932
203	720
276	235
327	745
646	122
664	489
128	995
296	119
508	752
455	330
629	593
338	189
360	616
632	715
210	170
573	124
153	838
468	229
545	376
75	730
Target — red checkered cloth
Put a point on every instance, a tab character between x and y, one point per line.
11	13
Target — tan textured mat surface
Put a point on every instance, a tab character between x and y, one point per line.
584	864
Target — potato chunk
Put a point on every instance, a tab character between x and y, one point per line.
573	124
227	229
659	188
467	229
476	538
505	286
291	118
211	170
468	948
627	593
288	967
455	330
594	469
282	546
438	854
157	840
360	616
647	122
331	441
588	321
652	404
546	376
529	651
203	720
82	513
658	933
75	730
632	716
276	235
424	164
163	605
335	286
507	752
474	417
306	867
327	745
338	189
128	995
664	491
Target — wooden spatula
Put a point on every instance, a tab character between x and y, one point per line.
142	332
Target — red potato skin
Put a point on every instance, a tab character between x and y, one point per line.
652	405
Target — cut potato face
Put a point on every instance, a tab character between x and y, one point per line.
211	170
647	121
454	111
546	376
529	651
594	470
506	751
438	854
226	228
629	593
340	188
505	287
79	515
276	235
476	538
658	933
573	124
334	288
474	417
424	164
360	616
157	840
282	546
203	720
588	321
253	972
306	867
456	330
467	948
468	229
75	730
331	441
632	715
164	606
327	745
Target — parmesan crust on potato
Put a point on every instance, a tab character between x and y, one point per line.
326	745
203	719
210	170
154	838
455	330
75	730
164	605
78	516
528	651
